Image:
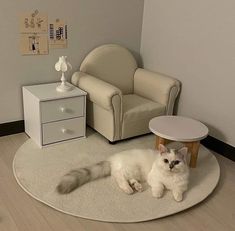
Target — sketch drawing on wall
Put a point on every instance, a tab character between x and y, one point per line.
34	44
33	37
35	22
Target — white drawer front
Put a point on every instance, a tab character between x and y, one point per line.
63	130
62	109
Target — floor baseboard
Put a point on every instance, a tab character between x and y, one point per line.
220	147
209	142
12	128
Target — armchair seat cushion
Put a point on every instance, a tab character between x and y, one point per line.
137	112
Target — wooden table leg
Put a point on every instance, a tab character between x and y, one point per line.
194	154
193	148
160	140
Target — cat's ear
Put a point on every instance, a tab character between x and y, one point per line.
162	148
183	151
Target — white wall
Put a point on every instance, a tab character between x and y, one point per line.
194	41
90	23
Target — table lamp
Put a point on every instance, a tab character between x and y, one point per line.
63	65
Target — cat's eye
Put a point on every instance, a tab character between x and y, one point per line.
166	161
176	162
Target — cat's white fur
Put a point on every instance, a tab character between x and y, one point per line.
136	166
163	168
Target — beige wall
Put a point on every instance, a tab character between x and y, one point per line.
90	23
194	41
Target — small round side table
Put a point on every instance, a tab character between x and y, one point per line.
182	129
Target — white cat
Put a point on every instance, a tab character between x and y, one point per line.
170	171
163	168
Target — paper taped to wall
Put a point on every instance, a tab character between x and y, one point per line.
35	22
58	34
34	44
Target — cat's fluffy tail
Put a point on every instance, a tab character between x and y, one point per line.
78	177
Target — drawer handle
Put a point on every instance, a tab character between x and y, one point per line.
64	130
63	109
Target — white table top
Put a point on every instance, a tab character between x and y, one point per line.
178	128
48	91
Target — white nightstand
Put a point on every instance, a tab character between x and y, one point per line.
52	116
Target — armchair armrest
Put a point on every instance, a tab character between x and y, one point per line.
98	91
157	87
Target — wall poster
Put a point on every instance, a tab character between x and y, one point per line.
58	34
33	37
34	44
35	22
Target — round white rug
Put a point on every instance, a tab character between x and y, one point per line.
38	171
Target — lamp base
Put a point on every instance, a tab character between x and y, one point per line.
63	87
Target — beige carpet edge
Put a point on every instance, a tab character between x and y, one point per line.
129	221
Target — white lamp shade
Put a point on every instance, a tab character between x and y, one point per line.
62	64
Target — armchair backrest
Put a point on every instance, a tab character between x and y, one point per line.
113	64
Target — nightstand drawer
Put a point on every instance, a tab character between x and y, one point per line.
62	109
63	130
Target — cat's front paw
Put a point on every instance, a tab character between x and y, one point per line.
139	187
157	193
128	190
136	185
178	196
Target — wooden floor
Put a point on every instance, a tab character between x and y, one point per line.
20	212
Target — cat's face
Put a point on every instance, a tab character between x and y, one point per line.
172	160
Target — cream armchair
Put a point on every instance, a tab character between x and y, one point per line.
122	98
